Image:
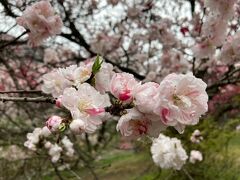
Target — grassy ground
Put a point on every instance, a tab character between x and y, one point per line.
129	165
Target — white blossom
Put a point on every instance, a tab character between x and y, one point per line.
195	156
168	152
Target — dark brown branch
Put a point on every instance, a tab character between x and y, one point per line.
29	99
22	92
13	41
7	8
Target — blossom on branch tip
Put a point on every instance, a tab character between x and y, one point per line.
41	21
182	100
86	104
122	85
53	123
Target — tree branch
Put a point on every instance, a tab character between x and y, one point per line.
21	92
29	99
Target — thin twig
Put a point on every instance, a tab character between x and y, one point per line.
21	91
14	40
188	175
29	99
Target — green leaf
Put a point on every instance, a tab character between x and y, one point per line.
97	65
62	127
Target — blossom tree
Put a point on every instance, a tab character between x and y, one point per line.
74	74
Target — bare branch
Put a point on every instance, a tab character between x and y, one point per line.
29	99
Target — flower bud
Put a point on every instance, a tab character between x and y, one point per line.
77	126
53	123
59	102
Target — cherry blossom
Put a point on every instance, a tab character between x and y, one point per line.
68	145
195	156
55	152
122	85
196	136
135	124
103	78
168	152
54	83
53	123
86	103
143	93
182	100
41	21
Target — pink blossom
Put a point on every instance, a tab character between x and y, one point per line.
145	96
50	56
224	96
82	73
41	21
203	49
122	85
222	7
54	83
59	102
106	44
86	104
215	29
230	50
53	123
182	100
103	77
135	124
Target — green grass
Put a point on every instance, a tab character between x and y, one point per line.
130	165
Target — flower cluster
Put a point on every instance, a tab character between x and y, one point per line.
41	21
68	145
145	108
195	156
230	49
179	100
55	150
58	80
214	29
86	106
168	152
34	138
92	90
196	137
38	138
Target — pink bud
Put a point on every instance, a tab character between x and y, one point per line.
53	123
125	95
59	102
122	85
